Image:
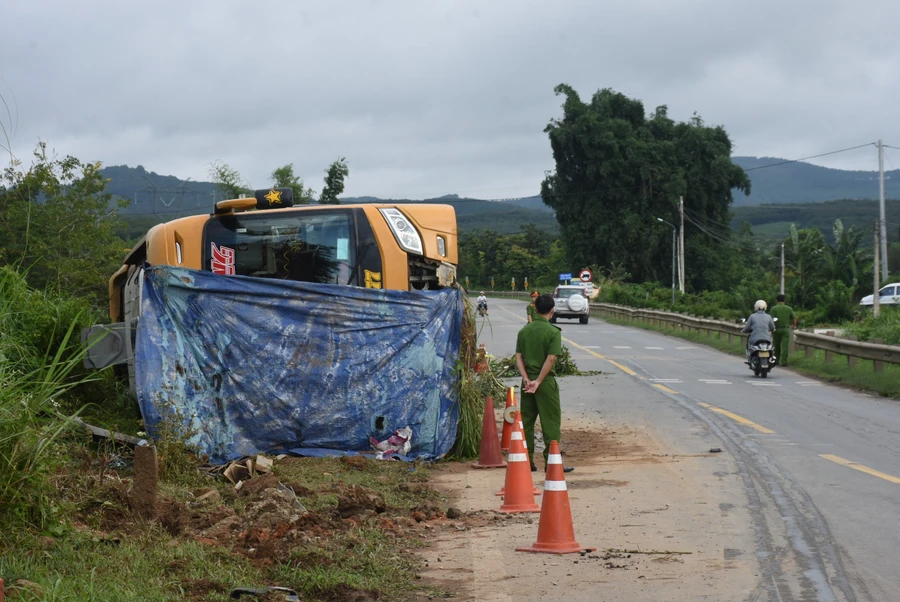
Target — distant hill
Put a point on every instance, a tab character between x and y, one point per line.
775	220
806	183
155	198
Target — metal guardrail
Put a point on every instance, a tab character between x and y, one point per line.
879	354
875	351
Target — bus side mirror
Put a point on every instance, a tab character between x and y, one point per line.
274	198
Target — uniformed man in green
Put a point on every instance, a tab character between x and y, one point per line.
530	309
537	346
785	320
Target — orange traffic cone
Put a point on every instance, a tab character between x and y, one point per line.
555	532
507	423
519	489
489	455
518	433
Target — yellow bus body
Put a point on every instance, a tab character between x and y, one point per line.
181	242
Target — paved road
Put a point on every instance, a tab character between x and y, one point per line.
820	464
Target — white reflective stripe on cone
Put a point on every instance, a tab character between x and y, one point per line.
554	486
517	436
554	459
517	458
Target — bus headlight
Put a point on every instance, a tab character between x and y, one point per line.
404	232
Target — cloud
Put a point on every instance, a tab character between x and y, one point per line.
427	98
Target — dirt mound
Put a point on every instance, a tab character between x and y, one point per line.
356	499
355	462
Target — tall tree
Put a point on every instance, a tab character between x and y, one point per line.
617	169
334	182
58	225
283	177
228	180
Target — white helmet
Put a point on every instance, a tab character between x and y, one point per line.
760	306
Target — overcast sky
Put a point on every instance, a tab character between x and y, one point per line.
426	98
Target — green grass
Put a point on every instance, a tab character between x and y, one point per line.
82	566
104	553
885	383
863	377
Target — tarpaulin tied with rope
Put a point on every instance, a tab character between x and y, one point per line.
241	365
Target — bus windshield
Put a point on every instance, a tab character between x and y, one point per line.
308	246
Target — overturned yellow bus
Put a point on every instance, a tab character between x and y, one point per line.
391	246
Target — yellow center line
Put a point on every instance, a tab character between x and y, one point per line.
737	418
624	369
665	388
860	467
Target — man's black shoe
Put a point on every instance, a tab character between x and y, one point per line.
533	467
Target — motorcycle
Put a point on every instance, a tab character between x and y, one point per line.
762	358
482	309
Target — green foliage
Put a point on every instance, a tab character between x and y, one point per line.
835	304
565	366
228	180
58	225
472	389
283	177
38	369
533	254
334	182
885	327
617	169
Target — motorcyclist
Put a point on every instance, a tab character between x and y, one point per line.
482	302
760	325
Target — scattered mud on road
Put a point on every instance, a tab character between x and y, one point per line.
666	525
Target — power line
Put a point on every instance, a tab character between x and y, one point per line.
843	150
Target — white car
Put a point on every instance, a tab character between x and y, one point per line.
571	302
888	295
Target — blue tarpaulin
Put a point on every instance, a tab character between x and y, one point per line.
245	365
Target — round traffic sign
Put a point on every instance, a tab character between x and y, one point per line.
586	275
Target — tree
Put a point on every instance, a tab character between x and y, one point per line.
806	255
228	180
617	169
334	182
283	177
58	225
844	260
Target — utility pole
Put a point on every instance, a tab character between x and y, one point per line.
681	246
782	268
882	233
673	256
876	298
673	267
